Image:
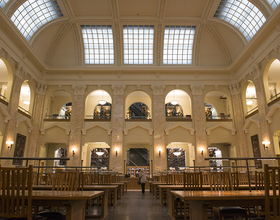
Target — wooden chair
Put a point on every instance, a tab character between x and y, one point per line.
66	181
104	179
272	202
222	181
16	188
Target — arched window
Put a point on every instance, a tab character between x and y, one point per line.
138	110
173	110
3	80
102	111
24	99
251	97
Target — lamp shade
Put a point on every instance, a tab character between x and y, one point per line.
177	153
174	102
102	102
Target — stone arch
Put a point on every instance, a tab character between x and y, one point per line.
5	68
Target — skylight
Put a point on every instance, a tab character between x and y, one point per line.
32	14
178	44
3	3
242	14
138	43
98	44
274	3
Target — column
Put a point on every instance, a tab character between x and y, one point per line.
238	114
77	118
160	160
10	133
33	147
200	125
262	109
117	114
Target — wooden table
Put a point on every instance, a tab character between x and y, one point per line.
73	201
200	200
125	185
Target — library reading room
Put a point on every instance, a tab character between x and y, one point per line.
139	109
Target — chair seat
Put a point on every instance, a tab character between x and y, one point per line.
232	209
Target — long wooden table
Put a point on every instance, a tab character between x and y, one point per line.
200	200
73	201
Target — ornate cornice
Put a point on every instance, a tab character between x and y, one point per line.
235	88
79	89
41	88
118	89
197	89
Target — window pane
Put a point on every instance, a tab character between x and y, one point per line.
3	3
274	3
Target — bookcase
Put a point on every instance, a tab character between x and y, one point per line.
134	170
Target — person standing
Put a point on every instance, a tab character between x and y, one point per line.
142	180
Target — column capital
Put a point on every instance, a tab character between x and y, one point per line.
41	88
158	89
256	71
79	89
20	71
234	88
118	89
197	89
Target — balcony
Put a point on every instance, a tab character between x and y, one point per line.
97	118
56	117
252	112
274	99
218	118
3	100
138	118
24	112
179	118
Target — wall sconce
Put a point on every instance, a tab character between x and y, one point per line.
202	152
159	152
10	144
265	144
116	153
73	152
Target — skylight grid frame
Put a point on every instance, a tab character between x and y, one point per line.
242	14
33	14
274	3
178	44
98	44
3	3
138	44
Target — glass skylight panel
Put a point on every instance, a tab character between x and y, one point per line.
98	44
32	14
274	3
3	3
242	14
178	44
138	43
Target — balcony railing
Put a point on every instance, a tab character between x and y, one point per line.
179	118
138	117
24	110
3	99
55	116
252	111
218	117
94	117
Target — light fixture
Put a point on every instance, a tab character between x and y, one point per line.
73	152
116	153
10	144
202	152
99	153
250	102
177	153
265	144
159	152
174	102
102	102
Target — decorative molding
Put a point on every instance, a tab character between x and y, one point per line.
5	113
190	129
20	70
235	88
255	71
277	47
158	89
150	130
197	89
118	89
41	88
248	124
55	43
27	122
67	130
232	130
14	7
198	39
271	112
78	45
84	130
79	89
220	43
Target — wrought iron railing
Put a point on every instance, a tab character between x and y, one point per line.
137	117
97	117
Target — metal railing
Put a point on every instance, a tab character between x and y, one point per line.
3	98
138	117
218	117
274	97
252	110
97	117
23	110
57	117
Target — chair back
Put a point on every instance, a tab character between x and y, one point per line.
243	178
235	180
178	179
193	181
259	180
16	188
272	192
66	181
220	181
104	179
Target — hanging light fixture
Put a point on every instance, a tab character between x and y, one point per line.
101	152
102	102
174	102
176	153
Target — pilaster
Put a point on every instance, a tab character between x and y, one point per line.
77	116
160	160
116	161
36	120
199	122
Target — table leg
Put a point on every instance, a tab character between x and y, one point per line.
104	206
198	210
161	196
170	205
115	197
75	210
